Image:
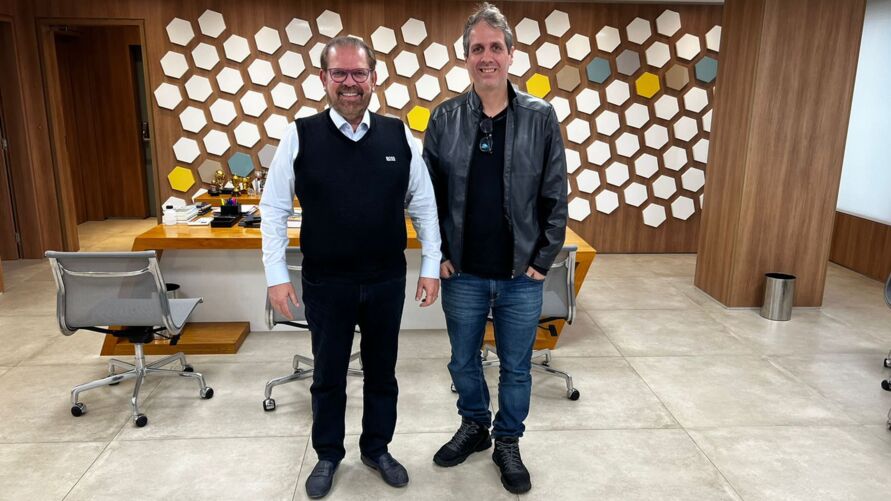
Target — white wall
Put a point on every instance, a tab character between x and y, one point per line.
865	188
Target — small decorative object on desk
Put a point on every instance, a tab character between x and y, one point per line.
219	180
229	207
259	181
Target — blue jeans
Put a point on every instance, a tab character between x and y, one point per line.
516	306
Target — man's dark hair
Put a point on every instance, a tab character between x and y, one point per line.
489	14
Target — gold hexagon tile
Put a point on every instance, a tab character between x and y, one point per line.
418	118
568	78
181	179
538	85
647	85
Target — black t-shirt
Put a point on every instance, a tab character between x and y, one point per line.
488	243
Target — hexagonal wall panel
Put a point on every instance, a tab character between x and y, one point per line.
656	136
713	39
418	118
578	47
668	23
268	40
666	107
561	108
682	208
706	70
677	77
236	48
298	31
427	87
607	39
240	164
617	92
205	56
647	85
192	119
579	209
527	31
700	151
265	155
598	70
658	54
382	71
598	152
414	31
207	169
664	187
675	158
167	96
397	95
211	23
587	101
253	103
538	85
685	129
646	165
693	179
457	79
222	111
181	179
313	88
635	194
261	72
654	215
573	160
180	31
557	23
308	111
628	62
329	23
568	78
247	134
520	64
383	39
617	174
637	115
548	55
707	121
275	126
687	47
406	64
696	99
639	31
315	54
606	202
291	64
436	56
607	123
578	131
283	95
198	88
216	142
174	64
374	104
229	80
627	144
186	150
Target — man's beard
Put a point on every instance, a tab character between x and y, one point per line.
349	110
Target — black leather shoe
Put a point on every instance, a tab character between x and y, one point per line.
514	475
319	482
391	471
471	437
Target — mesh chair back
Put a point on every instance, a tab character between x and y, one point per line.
109	288
294	260
558	299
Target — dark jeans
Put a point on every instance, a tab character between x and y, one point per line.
515	306
332	311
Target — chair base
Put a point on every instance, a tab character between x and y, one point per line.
300	373
543	366
138	371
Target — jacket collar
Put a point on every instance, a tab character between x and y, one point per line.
476	103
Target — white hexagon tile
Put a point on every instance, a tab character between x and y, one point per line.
222	111
548	55
457	79
275	125
637	115
427	87
174	64
653	215
579	209
573	160
607	39
587	101
578	131
205	56
198	88
696	99
383	39
606	201
656	136
607	123
260	72
561	107
236	48
682	208
527	31
186	150
397	95
406	64
675	158
578	47
687	47
646	165
668	23
268	40
635	194
693	179
616	174
638	31
192	119
168	96
313	88
557	23
664	187
180	31
520	64
283	95
598	152
247	134
587	181
329	23
291	64
298	31
414	31
436	56
253	103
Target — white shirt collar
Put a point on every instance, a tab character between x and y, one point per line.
339	121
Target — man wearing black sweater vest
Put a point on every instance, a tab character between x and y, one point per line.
354	173
498	168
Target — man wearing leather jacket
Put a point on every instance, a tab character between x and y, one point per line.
498	167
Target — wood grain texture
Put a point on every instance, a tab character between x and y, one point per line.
862	245
197	338
8	247
795	117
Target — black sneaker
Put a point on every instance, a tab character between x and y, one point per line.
514	475
471	437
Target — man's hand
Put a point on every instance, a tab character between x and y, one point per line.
534	274
446	270
428	289
279	295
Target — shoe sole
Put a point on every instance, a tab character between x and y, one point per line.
516	490
368	463
460	459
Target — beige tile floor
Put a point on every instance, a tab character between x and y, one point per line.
681	399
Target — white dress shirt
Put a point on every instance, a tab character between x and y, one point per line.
277	202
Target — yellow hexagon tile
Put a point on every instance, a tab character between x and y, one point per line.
538	85
181	179
418	118
648	85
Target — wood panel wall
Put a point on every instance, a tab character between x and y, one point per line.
862	245
8	247
780	129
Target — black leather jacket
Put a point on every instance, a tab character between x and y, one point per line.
534	175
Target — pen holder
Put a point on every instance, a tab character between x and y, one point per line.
230	210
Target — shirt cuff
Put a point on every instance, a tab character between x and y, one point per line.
429	268
277	274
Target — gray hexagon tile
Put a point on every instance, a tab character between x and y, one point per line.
628	62
266	154
207	169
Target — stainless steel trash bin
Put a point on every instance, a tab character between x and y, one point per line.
172	291
779	290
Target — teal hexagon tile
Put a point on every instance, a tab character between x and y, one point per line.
240	164
707	69
598	70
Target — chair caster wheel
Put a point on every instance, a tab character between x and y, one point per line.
886	385
140	420
573	394
888	363
78	409
115	383
453	388
269	405
188	368
207	393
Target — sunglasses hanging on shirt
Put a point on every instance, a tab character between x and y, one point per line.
487	144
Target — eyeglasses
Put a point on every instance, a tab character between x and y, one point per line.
487	144
359	74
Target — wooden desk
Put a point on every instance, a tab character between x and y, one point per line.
204	237
243	199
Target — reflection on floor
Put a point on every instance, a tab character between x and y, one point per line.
680	399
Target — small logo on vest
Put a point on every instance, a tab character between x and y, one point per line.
391	159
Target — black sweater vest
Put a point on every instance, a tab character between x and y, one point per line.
353	196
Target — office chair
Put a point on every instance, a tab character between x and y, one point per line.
558	303
886	384
294	260
110	289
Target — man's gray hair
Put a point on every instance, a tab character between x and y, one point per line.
347	41
493	17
